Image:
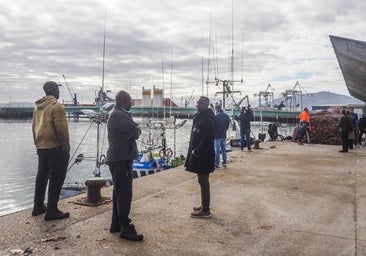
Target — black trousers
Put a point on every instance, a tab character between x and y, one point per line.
52	166
121	172
203	180
345	141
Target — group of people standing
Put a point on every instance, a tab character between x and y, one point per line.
51	138
351	129
207	142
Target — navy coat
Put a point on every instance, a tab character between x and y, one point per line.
201	151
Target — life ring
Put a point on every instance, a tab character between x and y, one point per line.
168	153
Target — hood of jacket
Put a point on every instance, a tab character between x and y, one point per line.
45	101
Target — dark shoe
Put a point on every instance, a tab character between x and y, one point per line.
217	167
224	165
56	215
38	210
342	151
114	228
197	208
130	234
201	214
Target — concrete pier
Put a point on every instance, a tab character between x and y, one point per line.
280	199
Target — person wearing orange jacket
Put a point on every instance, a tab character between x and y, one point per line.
304	126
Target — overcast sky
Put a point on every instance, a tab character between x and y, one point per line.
169	44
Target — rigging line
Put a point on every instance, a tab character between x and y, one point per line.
202	83
242	56
217	57
209	53
77	148
171	82
105	24
209	57
232	43
162	74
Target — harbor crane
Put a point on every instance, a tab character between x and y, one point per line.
266	96
292	95
73	96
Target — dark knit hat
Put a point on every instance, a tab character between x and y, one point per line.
50	87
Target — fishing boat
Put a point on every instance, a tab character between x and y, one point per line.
100	120
156	156
351	56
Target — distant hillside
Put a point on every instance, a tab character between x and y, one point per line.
321	98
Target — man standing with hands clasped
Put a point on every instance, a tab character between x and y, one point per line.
201	153
122	135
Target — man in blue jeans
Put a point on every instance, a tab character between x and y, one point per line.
222	124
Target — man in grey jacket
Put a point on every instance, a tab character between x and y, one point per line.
122	135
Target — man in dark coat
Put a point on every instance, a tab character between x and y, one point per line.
201	153
345	126
361	127
122	135
245	117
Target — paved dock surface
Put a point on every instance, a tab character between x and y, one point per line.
281	199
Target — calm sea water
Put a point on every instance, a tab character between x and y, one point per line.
19	159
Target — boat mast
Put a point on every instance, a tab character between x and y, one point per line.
100	117
101	92
171	83
162	77
232	43
228	85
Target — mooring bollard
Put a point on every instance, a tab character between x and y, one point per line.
256	144
94	188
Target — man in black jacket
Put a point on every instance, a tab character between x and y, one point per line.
201	153
361	127
122	135
245	117
345	126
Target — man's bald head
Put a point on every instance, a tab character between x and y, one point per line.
123	100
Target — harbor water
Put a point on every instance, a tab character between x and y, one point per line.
19	161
